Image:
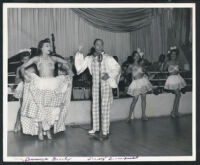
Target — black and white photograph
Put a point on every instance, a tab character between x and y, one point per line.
99	82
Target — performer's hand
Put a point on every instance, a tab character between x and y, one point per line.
152	76
146	76
61	116
175	73
59	122
105	76
80	48
71	73
27	77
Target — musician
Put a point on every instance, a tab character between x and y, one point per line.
160	64
110	73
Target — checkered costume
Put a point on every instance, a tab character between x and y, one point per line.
19	90
43	99
106	98
112	68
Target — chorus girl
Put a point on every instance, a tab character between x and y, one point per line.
24	57
46	96
174	82
139	86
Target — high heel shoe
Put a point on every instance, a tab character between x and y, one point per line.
49	135
91	132
173	116
128	120
17	127
178	114
144	118
40	135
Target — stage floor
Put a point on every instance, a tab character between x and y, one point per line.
157	137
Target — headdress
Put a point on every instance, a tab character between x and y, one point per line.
25	50
172	48
140	52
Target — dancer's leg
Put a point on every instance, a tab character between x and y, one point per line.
143	105
40	131
132	107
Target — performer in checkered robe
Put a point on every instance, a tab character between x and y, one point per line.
46	97
110	73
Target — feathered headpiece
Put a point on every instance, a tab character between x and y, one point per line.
172	48
25	50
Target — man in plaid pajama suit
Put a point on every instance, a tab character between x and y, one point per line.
110	73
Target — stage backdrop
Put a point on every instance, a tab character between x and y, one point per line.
26	27
169	27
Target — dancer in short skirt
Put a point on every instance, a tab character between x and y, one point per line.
174	82
140	85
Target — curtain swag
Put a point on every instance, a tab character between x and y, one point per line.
116	20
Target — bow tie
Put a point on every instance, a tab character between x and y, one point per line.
95	58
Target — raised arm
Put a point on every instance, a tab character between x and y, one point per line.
129	69
80	62
114	71
27	64
180	66
18	78
59	60
65	64
166	66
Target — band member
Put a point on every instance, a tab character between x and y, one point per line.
139	86
45	96
110	71
174	82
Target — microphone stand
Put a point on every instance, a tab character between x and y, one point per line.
100	136
53	44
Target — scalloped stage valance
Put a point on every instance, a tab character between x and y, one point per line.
116	20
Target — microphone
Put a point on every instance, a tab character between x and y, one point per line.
100	57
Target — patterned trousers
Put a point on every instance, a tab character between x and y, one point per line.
106	101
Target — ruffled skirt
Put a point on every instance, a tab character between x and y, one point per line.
43	99
174	82
139	86
19	90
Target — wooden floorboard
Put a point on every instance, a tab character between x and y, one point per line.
157	137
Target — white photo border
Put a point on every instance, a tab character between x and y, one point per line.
6	6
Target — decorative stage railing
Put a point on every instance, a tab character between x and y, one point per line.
82	87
